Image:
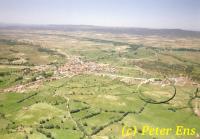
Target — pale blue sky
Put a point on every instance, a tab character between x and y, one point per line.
183	14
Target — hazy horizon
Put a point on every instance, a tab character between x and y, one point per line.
160	14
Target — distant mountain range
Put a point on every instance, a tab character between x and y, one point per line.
101	29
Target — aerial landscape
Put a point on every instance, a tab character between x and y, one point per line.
98	82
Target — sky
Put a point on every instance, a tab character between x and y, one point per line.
182	14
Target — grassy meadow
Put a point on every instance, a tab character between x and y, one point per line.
87	85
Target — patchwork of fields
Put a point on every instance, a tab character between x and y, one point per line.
89	85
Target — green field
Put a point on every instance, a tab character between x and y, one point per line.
71	85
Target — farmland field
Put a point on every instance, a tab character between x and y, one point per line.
91	84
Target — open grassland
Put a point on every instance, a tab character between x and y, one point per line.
83	85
